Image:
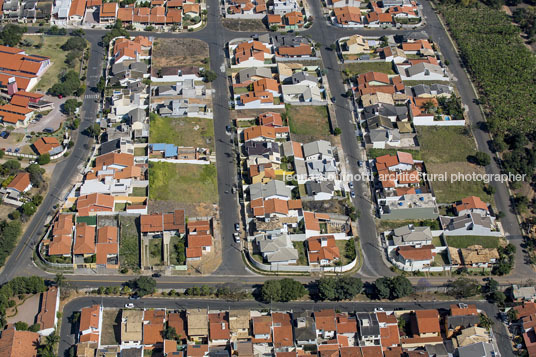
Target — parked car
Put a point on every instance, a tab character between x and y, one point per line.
352	194
129	305
351	185
333	99
17	150
134	297
9	150
360	163
236	237
237	227
48	130
4	134
156	275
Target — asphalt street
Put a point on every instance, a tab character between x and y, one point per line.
232	268
68	337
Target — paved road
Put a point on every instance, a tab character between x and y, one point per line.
20	261
68	338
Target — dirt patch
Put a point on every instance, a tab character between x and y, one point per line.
111	327
191	209
254	113
331	206
247	25
171	52
26	311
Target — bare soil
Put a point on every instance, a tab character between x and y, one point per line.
171	52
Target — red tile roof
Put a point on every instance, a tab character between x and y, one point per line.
20	182
427	321
219	326
85	239
19	343
46	317
44	144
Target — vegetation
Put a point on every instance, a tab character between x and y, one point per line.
463	288
506	260
392	288
43	159
116	31
68	85
282	290
466	241
128	243
196	132
9	231
143	285
70	106
11	35
18	286
340	288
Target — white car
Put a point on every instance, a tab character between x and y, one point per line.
236	237
129	305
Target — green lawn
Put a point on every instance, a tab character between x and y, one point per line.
388	225
89	220
308	123
302	256
364	67
155	251
466	241
111	327
436	241
441	259
129	251
183	182
341	244
140	151
196	132
139	192
174	253
50	48
120	207
240	90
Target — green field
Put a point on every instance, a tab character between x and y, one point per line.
196	132
466	241
308	123
50	48
302	255
183	182
129	250
364	67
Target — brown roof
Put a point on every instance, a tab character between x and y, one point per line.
346	324
199	240
319	251
151	223
108	9
152	331
259	131
125	14
114	158
46	143
416	253
282	328
177	320
194	252
186	8
47	311
63	225
325	320
60	245
95	202
274	19
78	8
471	202
301	50
18	343
20	182
427	321
464	310
20	101
89	318
85	239
347	14
262	326
271	119
219	326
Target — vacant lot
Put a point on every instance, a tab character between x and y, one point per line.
129	251
445	151
170	52
196	132
111	327
50	47
364	67
374	153
466	241
248	25
414	83
308	123
387	225
183	183
302	252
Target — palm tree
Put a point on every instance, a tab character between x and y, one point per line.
60	280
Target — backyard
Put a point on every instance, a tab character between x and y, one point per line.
183	182
178	52
196	132
155	252
177	252
129	242
446	150
466	241
302	255
363	67
308	123
49	46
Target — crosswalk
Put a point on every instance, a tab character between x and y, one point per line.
91	96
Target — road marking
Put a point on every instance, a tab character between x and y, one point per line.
163	282
91	96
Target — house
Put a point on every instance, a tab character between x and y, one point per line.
47	318
411	235
259	133
277	249
376	18
239	324
312	222
243	348
18	343
219	333
529	338
422	72
108	13
301	50
317	150
355	44
325	323
292	20
19	185
347	327
248	75
158	223
368	332
77	11
392	54
90	325
301	93
415	257
251	54
270	119
84	243
320	190
94	203
272	189
62	236
347	16
426	323
107	247
304	328
197	324
322	250
282	331
197	350
153	328
131	328
261	329
390	336
198	245
461	317
177	320
481	349
523	293
282	7
47	145
471	204
469	224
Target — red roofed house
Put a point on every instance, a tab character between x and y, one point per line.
282	330
45	144
219	332
415	258
326	324
157	223
347	16
153	327
471	204
108	13
251	54
84	244
259	133
107	247
20	184
47	317
390	336
270	119
18	343
322	250
15	115
90	324
19	71
94	203
77	11
62	236
302	50
426	323
199	240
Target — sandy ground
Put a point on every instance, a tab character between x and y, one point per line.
26	312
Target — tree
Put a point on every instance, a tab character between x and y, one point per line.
482	159
2	153
170	333
94	130
21	326
337	131
43	159
101	84
498	297
342	288
36	174
271	291
491	286
210	76
70	106
485	321
143	285
349	249
60	280
37	200
10	167
28	209
11	35
382	288
291	290
400	287
74	43
463	288
68	85
34	328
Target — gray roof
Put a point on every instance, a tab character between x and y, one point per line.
272	188
524	292
453	223
421	89
379	121
136	115
261	147
302	76
411	233
277	249
110	146
463	321
304	327
368	324
480	349
379	135
288	40
322	147
436	350
385	109
423	67
313	187
438	89
247	73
